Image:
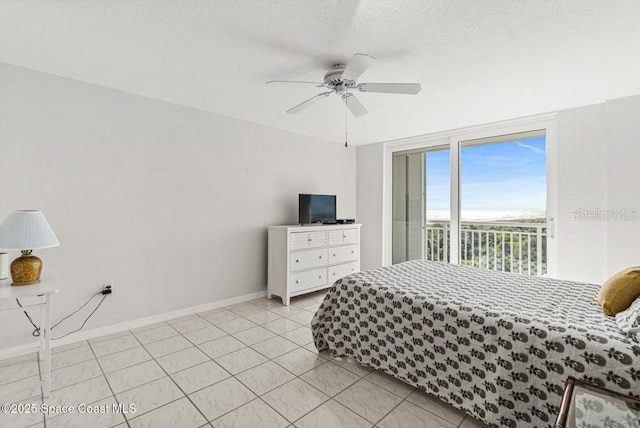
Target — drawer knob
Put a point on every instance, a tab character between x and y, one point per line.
297	261
310	239
334	254
320	276
297	281
334	274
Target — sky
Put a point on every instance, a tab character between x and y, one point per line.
507	176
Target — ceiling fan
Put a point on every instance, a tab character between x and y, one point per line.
341	79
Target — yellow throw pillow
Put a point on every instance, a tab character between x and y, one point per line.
620	291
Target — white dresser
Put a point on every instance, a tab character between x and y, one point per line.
309	258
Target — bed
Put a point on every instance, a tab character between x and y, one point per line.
496	345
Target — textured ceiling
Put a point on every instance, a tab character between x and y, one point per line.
478	61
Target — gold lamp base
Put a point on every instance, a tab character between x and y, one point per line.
26	269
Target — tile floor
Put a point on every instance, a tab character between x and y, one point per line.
247	365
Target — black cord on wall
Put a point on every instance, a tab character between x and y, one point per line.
36	329
104	296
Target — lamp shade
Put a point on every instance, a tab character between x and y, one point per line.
26	230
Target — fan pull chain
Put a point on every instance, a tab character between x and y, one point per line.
346	122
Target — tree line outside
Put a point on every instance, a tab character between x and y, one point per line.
504	246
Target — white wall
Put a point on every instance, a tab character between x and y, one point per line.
167	202
597	160
582	179
598	154
369	198
623	181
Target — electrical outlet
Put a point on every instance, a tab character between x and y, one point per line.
107	288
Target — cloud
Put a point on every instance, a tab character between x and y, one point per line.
530	147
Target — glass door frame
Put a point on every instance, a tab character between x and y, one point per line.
454	140
406	157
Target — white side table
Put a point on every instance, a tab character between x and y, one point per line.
43	293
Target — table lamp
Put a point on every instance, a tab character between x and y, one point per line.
25	231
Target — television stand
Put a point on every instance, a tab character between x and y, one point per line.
310	258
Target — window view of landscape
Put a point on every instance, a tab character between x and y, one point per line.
502	202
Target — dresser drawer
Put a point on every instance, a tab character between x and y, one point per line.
345	236
302	240
307	259
343	254
337	272
307	279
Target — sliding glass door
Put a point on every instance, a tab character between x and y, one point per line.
421	213
408	207
500	186
503	196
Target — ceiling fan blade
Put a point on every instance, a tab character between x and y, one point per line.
358	65
354	105
295	81
303	105
391	88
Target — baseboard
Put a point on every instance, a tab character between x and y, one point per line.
129	325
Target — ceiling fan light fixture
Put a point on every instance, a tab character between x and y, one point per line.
343	77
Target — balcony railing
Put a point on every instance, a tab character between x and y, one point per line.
502	246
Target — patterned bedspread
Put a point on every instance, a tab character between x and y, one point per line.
494	344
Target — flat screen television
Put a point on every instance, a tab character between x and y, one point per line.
316	208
